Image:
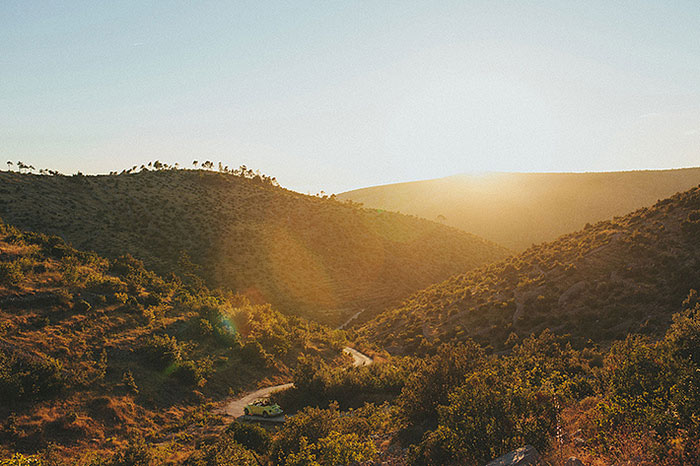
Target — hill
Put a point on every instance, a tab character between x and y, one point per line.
103	363
308	255
625	275
518	210
94	352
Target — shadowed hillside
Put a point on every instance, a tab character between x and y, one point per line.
521	209
304	254
616	277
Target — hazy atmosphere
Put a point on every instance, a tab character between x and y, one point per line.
350	233
340	95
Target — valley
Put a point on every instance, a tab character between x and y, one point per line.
108	362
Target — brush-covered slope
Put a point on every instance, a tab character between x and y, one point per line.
93	352
304	254
615	277
521	209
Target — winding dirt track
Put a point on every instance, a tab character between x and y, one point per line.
234	407
358	359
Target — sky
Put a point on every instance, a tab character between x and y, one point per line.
335	95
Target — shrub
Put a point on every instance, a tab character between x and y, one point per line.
137	453
10	273
487	416
29	376
193	372
162	350
251	436
254	352
310	424
129	382
431	384
225	452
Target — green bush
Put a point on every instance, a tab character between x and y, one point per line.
225	452
29	376
432	383
487	416
251	436
318	384
162	350
193	373
328	437
310	424
651	391
136	453
254	352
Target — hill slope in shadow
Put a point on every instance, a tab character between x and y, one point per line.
304	254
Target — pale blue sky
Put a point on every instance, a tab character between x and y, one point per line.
337	95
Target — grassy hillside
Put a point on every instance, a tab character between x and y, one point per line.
103	363
304	254
94	352
612	278
521	209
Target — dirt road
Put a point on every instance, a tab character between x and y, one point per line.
234	407
358	359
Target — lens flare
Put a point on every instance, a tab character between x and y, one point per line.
228	325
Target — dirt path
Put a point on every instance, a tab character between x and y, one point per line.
358	359
349	321
234	407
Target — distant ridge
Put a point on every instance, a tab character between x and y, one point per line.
521	209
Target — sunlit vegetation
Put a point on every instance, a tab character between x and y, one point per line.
237	230
95	351
108	351
518	210
316	383
625	275
575	347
